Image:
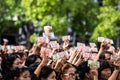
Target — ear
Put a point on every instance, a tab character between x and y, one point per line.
87	75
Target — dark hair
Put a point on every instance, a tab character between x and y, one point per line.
45	72
65	67
31	59
102	56
6	66
21	54
107	52
103	65
33	67
83	68
8	62
19	71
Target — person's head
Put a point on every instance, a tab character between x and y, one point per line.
22	74
104	71
112	49
17	63
23	56
9	65
68	72
106	55
47	73
85	72
11	62
32	59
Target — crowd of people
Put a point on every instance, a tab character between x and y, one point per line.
50	60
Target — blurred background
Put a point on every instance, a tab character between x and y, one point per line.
22	21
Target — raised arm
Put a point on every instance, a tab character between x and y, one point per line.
59	64
94	71
72	56
77	60
103	47
116	70
43	63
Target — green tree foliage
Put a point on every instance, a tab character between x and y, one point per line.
8	9
55	13
33	38
46	12
83	15
109	20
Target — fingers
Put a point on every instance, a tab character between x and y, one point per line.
72	55
105	45
77	59
117	64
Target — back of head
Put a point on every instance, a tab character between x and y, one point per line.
45	72
102	56
33	67
31	59
83	68
103	65
21	70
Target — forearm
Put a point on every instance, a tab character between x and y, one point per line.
58	66
72	57
53	51
95	77
38	69
114	75
78	61
74	60
98	55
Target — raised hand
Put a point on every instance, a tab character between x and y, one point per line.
117	63
94	71
104	45
44	62
45	59
77	60
72	55
59	64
